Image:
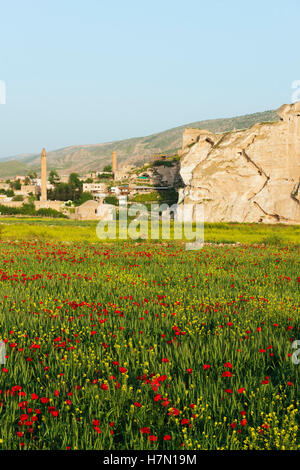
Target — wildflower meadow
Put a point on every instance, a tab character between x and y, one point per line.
140	345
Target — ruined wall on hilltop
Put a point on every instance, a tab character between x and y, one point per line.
251	175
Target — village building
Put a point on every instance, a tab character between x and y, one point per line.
20	178
98	190
4	199
91	175
5	186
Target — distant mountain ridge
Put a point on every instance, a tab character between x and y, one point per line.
85	158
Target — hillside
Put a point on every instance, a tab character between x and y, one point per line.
12	167
84	158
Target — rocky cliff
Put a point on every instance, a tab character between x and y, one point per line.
248	175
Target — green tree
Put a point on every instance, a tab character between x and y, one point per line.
32	197
61	192
111	200
85	196
107	168
53	177
15	185
8	192
32	174
75	186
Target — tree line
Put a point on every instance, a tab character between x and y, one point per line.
70	191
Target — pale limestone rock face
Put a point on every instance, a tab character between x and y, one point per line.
192	156
247	176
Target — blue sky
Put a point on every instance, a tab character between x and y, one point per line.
80	72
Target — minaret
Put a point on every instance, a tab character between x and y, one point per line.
114	162
44	176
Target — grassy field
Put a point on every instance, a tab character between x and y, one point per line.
143	345
85	231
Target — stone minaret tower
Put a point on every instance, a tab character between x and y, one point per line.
44	176
114	162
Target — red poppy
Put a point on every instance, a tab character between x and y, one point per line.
185	421
145	430
228	365
227	374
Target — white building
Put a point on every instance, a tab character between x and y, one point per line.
98	190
